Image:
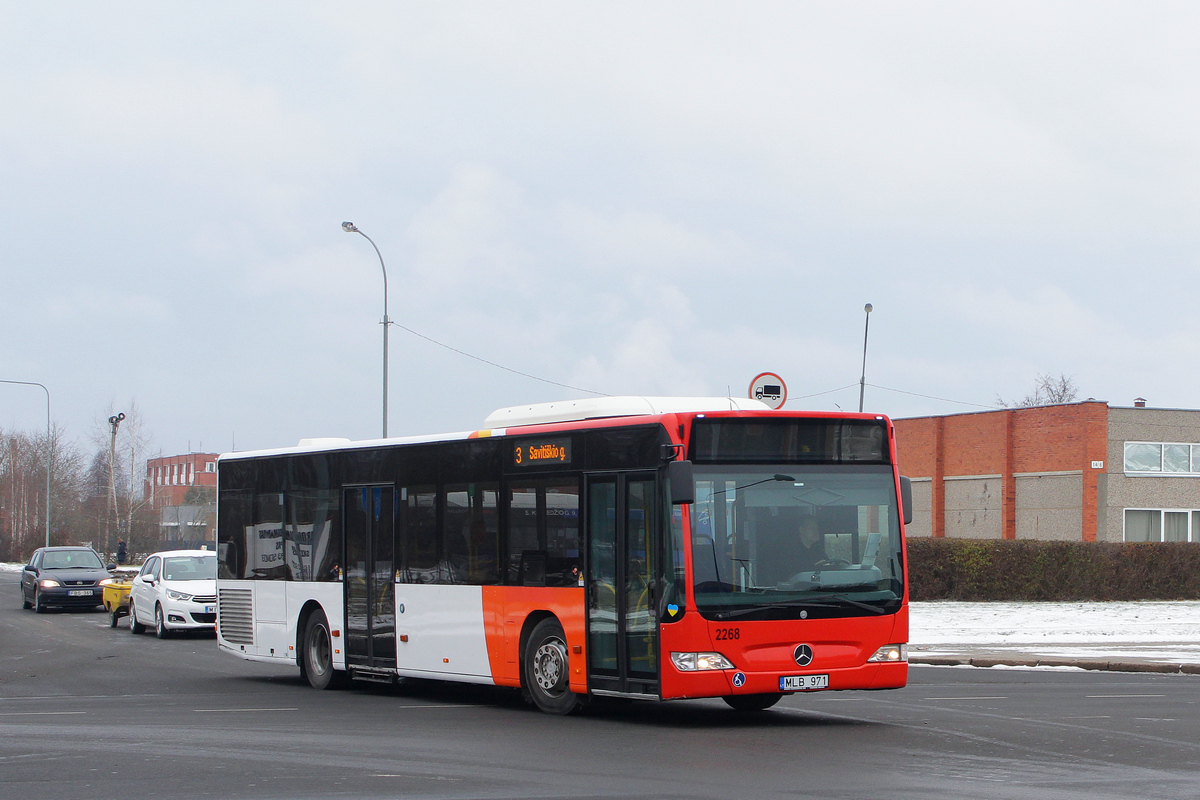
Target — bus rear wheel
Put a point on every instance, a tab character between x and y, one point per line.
546	669
751	702
316	654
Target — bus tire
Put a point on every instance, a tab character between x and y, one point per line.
316	654
751	702
546	669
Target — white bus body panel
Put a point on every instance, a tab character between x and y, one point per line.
329	596
276	612
444	626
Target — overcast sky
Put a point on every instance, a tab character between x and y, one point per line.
630	198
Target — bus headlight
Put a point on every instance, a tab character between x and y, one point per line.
891	652
693	662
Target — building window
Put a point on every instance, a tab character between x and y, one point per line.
1162	458
1162	525
210	466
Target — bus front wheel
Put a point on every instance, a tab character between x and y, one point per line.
547	670
751	702
317	654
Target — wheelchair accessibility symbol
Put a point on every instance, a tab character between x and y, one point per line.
739	680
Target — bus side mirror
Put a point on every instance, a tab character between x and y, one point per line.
906	499
683	482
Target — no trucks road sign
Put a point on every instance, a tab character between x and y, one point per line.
769	388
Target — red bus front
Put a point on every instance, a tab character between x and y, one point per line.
789	564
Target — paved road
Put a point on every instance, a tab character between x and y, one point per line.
86	711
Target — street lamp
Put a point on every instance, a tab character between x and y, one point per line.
349	227
114	422
862	383
48	442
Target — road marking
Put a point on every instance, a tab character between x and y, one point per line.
77	697
997	697
1098	696
239	710
39	713
1099	716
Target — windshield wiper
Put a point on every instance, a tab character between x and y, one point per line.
811	602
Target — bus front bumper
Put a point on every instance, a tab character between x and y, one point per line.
721	683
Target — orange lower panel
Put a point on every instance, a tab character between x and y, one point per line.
505	611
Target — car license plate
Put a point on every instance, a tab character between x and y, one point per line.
80	593
210	609
803	683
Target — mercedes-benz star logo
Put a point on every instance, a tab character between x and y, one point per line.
803	655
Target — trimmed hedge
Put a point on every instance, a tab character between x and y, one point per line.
972	569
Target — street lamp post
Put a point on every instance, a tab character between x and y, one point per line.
862	382
349	227
114	422
48	454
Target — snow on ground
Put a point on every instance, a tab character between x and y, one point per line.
1054	623
11	567
1145	630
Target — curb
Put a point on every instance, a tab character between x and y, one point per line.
1082	663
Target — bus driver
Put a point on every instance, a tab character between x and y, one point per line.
810	550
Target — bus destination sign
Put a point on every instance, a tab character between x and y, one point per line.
542	451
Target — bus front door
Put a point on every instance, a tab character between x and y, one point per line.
623	543
370	625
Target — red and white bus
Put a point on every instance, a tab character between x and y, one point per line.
653	548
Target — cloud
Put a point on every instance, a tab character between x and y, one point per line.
109	306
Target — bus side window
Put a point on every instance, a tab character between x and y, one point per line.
471	533
265	559
313	544
233	522
417	534
564	562
523	534
544	547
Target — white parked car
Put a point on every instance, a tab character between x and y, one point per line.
175	590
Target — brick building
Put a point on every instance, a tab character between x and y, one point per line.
185	516
1079	471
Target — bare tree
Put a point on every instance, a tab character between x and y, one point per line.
23	459
1047	391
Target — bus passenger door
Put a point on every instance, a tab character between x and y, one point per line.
622	547
370	625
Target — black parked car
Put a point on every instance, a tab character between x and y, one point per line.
71	577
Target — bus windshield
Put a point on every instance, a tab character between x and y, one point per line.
792	541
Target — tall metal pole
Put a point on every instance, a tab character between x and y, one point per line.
349	227
862	382
48	453
115	422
